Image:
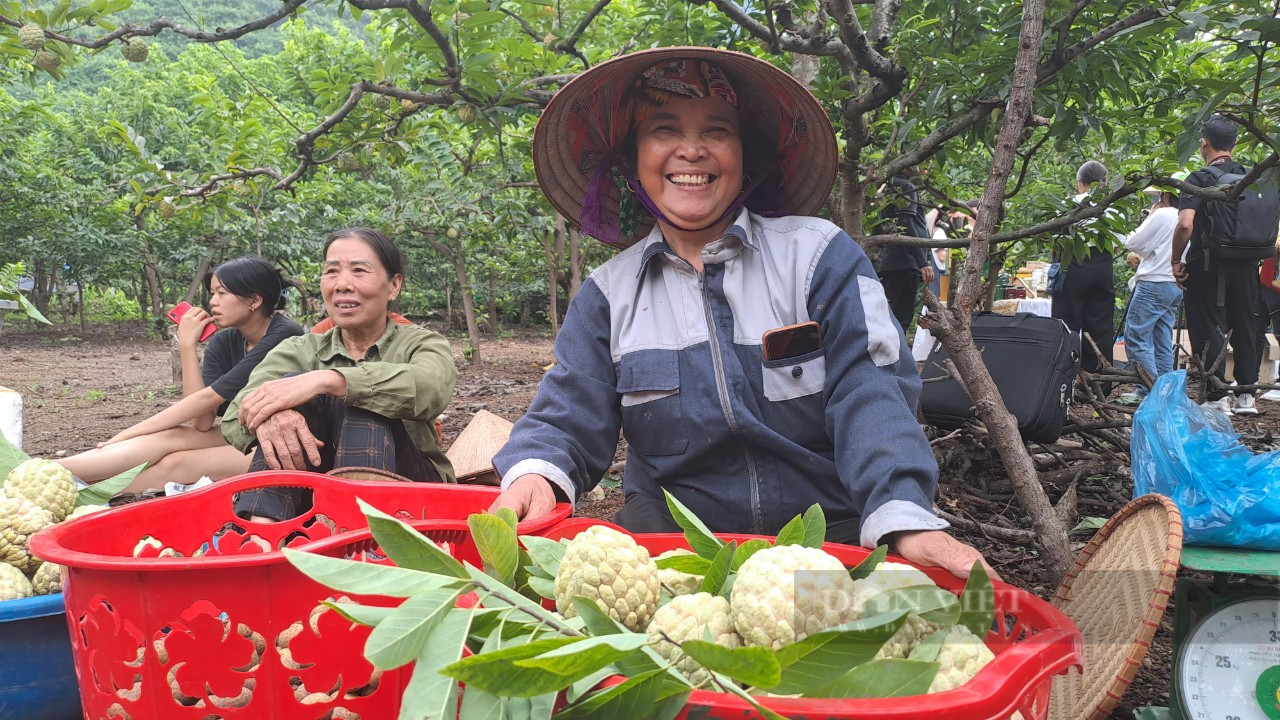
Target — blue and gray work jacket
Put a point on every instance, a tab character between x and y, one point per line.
673	357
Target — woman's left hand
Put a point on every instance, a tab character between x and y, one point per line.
283	394
935	548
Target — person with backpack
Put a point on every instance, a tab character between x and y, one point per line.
903	270
1227	240
1267	311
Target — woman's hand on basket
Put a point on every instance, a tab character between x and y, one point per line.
530	496
935	548
287	442
275	396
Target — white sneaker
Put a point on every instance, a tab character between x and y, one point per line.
1245	406
1270	395
1222	405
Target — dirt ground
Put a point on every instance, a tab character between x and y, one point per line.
80	390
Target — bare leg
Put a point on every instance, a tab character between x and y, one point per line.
187	466
113	459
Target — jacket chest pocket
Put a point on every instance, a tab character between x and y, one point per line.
649	386
791	378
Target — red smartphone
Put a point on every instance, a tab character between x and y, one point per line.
181	309
792	341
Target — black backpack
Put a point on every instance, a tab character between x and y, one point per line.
1244	230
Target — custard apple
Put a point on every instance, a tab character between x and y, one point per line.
381	102
13	584
701	616
676	582
609	567
45	483
47	60
19	520
31	36
962	655
135	50
86	510
786	593
166	209
48	579
894	576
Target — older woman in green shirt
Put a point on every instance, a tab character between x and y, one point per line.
364	392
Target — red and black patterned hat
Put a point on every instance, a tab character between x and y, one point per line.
582	129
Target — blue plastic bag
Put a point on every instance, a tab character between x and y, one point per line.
1229	497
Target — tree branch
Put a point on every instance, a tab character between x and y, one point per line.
569	44
421	14
156	26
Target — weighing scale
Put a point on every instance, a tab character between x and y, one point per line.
1226	639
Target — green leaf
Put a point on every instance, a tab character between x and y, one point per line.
509	517
10	458
718	571
496	540
101	492
1090	523
586	655
869	563
478	705
928	601
366	578
544	587
655	695
598	623
892	677
928	648
689	564
495	671
817	660
500	595
402	634
751	665
701	539
977	602
746	550
815	527
545	553
430	695
792	533
732	688
408	548
32	311
368	615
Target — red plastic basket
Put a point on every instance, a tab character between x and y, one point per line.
1032	642
237	632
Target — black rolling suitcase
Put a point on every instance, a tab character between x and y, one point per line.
1033	360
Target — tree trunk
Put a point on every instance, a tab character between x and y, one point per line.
84	325
457	257
576	262
951	325
495	326
553	248
468	309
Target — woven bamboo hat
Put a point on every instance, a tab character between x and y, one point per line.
588	121
1116	593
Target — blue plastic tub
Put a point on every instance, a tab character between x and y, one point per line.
37	677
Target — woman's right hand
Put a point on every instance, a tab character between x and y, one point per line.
287	442
191	326
530	496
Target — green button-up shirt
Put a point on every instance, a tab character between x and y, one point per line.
408	374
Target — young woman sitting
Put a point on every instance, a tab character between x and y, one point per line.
181	443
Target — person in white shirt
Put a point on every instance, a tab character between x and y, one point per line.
1148	326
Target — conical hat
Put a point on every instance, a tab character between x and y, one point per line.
588	118
472	453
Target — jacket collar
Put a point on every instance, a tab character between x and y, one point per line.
331	345
736	237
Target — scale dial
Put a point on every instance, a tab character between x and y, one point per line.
1229	667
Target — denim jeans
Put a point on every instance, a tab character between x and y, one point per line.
1148	327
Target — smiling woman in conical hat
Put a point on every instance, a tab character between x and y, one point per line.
742	346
